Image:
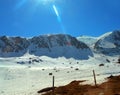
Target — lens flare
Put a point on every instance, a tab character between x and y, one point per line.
61	24
58	17
55	9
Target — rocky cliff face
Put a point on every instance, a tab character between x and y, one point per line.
12	46
109	43
47	45
57	41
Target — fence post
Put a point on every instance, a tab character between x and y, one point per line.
95	78
53	84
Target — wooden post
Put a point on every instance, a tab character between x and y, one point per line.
53	84
94	78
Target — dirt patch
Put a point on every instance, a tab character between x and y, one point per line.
111	87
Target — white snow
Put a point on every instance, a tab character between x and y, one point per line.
107	44
88	40
27	79
29	73
105	35
108	40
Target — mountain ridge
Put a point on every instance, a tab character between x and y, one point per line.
57	45
109	43
61	45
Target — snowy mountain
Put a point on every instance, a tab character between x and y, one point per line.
13	46
59	45
32	62
109	43
88	40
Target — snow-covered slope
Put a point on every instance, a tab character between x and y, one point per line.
54	46
88	40
33	65
109	43
59	46
35	72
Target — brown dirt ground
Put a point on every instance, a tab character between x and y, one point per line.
111	87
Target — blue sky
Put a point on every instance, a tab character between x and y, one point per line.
29	18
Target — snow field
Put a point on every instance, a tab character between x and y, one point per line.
27	79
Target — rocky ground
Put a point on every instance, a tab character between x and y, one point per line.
110	87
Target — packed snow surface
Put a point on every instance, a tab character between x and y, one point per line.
27	74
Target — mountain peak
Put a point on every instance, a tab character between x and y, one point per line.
109	43
56	45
